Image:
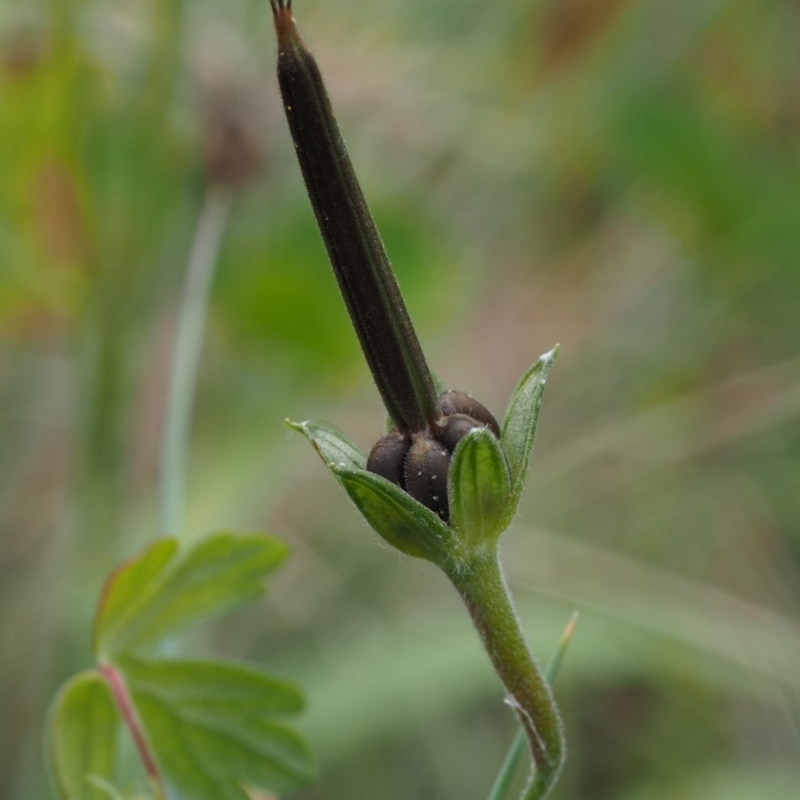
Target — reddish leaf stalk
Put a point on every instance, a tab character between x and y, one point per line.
119	690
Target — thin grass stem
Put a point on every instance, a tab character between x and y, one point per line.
190	327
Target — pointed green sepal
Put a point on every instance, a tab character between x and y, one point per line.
400	520
332	446
393	514
479	488
519	425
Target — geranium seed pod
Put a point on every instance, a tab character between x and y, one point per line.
418	463
454	429
388	457
454	402
426	468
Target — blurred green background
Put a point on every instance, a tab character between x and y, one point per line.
620	176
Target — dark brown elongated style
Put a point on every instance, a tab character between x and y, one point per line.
354	245
416	455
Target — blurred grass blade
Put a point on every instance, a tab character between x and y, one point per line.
191	323
566	638
519	745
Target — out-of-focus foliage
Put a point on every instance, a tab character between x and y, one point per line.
205	727
620	176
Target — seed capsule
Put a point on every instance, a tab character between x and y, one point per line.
418	463
426	465
452	429
388	456
454	402
415	456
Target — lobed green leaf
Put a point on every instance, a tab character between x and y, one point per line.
208	684
168	589
479	488
83	738
211	726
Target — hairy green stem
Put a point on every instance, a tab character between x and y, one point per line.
514	754
190	325
482	587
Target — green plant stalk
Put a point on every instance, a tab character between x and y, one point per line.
402	376
190	326
513	756
483	589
